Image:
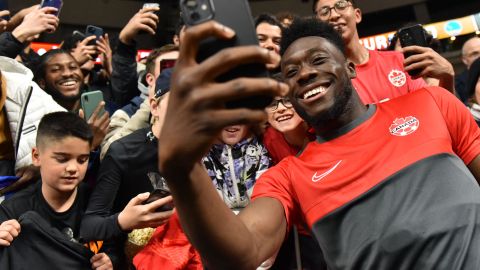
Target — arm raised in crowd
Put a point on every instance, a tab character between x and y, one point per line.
124	65
32	25
195	116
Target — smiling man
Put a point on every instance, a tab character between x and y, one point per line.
60	76
381	75
383	187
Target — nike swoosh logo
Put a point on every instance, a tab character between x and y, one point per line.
316	178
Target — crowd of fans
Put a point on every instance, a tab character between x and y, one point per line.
80	186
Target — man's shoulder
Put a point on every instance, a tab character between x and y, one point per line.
136	137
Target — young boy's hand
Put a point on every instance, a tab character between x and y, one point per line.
9	230
137	215
101	261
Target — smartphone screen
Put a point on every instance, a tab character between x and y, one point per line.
149	5
167	63
235	14
52	3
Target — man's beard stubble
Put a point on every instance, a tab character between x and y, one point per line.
341	106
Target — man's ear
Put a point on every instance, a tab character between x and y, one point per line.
150	78
35	156
352	73
358	15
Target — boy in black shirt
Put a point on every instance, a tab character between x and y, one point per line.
62	152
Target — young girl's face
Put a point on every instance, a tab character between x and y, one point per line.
281	116
233	134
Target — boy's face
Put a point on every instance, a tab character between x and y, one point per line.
232	135
63	163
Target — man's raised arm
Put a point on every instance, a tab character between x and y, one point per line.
195	115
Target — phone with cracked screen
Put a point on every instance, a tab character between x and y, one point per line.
52	3
89	102
412	36
235	14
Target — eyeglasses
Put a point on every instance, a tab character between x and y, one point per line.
274	105
325	11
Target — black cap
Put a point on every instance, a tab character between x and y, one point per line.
162	84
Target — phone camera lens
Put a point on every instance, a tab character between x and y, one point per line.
195	16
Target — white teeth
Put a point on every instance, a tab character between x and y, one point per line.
69	83
283	118
313	92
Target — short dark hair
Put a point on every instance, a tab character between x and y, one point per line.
310	27
314	7
40	71
150	65
57	126
267	18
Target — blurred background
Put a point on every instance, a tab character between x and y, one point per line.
379	17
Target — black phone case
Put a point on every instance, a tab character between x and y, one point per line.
157	194
93	31
235	14
412	36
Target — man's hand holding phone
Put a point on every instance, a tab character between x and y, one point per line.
144	20
98	122
196	112
137	215
36	22
84	52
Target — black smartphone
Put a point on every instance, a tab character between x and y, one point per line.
412	36
93	30
167	63
235	14
52	3
157	194
78	36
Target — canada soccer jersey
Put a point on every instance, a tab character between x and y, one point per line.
388	191
383	77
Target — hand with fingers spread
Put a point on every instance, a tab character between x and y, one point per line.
101	261
84	52
137	215
36	22
144	20
103	47
9	230
98	124
431	64
196	112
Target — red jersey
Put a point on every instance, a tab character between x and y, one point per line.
383	77
391	189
